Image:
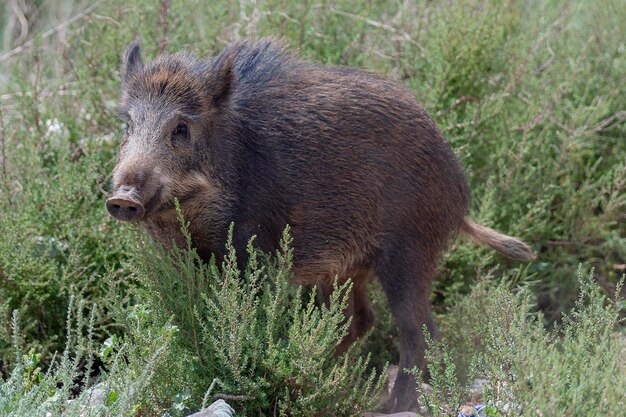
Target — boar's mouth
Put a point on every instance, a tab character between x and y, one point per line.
155	205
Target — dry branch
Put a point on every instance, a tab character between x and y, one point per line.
458	102
165	7
48	33
3	153
541	115
607	123
569	242
380	25
229	397
23	21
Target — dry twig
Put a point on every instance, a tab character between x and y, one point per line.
165	7
458	102
569	242
607	123
48	33
541	115
19	13
459	125
380	25
3	147
229	397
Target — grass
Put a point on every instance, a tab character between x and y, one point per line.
529	93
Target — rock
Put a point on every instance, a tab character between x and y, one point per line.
469	410
476	391
218	409
94	397
392	374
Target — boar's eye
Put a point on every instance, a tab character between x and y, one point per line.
128	129
180	132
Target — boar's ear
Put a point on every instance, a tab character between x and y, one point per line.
221	77
132	60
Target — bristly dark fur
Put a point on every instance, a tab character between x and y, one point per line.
350	160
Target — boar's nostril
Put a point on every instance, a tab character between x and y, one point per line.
125	208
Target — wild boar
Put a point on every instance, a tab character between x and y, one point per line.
349	159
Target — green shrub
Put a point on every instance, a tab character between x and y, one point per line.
265	344
66	386
56	240
541	138
529	94
495	333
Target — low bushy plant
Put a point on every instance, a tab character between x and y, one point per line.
86	379
264	344
57	241
528	93
496	334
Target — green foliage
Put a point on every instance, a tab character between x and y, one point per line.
446	392
266	344
539	132
35	389
57	240
495	333
530	94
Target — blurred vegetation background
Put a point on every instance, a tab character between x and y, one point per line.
529	92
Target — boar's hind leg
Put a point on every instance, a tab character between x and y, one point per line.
405	279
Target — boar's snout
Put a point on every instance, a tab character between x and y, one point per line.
124	205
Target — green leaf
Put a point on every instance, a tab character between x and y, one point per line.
107	347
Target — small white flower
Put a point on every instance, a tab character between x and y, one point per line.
56	132
54	126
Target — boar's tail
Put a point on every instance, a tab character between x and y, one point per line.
508	246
